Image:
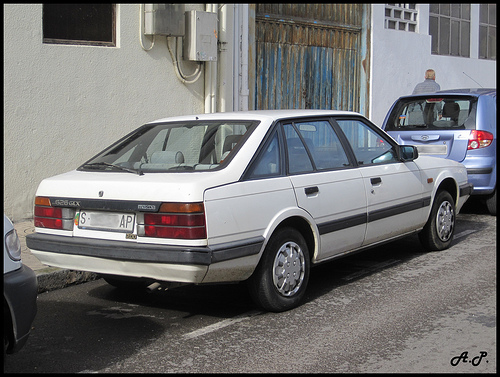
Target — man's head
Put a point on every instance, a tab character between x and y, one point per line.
430	74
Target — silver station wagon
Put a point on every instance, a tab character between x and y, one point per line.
256	196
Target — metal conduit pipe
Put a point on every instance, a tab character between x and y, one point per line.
211	74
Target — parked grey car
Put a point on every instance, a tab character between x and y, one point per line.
458	124
19	292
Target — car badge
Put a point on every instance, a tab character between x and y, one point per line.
424	137
101	193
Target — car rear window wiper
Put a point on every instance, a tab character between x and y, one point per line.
97	164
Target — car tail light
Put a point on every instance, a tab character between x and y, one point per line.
175	220
47	216
479	139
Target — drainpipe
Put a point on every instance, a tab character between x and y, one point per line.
240	58
244	91
236	57
225	63
211	74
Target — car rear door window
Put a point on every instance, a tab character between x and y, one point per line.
313	145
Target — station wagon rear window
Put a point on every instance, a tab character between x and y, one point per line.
173	147
433	113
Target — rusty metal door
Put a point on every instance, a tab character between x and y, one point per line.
308	56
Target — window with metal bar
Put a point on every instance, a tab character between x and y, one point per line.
401	17
488	31
449	27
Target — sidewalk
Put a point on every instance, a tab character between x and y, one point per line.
49	278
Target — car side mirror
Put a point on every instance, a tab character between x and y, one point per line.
407	153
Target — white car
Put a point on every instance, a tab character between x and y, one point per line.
258	196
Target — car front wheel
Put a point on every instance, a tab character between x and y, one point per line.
440	227
280	280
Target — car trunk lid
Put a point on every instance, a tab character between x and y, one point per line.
444	144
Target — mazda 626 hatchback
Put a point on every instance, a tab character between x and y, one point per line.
257	196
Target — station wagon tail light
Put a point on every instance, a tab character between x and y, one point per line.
175	220
48	216
479	139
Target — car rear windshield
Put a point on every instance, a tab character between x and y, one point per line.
433	113
173	147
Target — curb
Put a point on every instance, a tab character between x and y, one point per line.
52	278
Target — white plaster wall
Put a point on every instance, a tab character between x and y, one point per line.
400	59
63	104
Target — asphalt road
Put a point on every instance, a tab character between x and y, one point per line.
389	309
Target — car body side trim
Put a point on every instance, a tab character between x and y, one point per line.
480	170
347	222
466	189
343	223
232	250
398	209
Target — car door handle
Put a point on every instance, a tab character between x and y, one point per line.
376	181
311	190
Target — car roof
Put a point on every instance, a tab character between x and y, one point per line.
473	91
476	92
256	115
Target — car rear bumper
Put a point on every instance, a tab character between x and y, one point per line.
20	292
156	261
481	173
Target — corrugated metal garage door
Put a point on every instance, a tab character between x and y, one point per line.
308	56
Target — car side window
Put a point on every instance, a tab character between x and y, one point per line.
322	144
298	158
368	146
267	163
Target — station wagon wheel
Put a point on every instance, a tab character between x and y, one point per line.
440	227
280	280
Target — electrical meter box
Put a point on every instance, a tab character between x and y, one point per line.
164	19
200	41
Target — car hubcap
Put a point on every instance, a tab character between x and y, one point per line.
445	221
289	269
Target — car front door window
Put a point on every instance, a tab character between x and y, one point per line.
368	146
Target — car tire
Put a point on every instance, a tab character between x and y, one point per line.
491	203
280	279
440	227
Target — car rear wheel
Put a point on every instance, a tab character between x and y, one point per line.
440	227
491	203
280	280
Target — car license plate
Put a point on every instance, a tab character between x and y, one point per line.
116	222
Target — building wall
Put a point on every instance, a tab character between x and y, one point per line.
63	104
400	59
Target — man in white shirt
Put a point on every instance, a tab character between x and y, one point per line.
429	85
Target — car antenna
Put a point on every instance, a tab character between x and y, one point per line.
472	79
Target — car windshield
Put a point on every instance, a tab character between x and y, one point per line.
173	147
433	113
